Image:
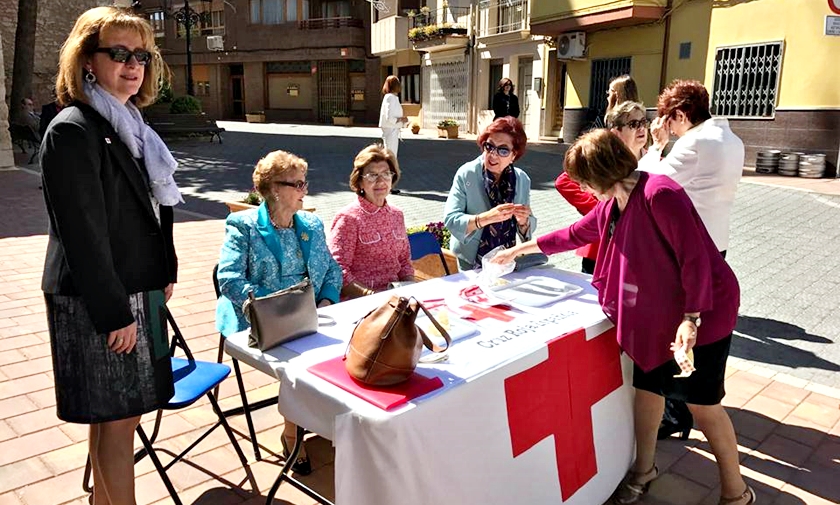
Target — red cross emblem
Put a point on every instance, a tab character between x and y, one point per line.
555	398
477	313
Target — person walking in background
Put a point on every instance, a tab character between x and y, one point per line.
48	113
627	121
368	237
505	103
489	203
110	262
391	118
665	287
621	89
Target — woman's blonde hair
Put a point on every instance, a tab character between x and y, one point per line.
372	154
617	117
272	165
84	40
625	90
600	159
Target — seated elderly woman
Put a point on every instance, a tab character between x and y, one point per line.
273	247
368	237
489	202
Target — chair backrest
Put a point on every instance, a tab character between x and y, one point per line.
216	281
424	243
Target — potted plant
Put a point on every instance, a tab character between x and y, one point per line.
342	118
255	117
415	128
430	266
448	128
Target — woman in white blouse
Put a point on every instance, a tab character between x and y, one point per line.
391	116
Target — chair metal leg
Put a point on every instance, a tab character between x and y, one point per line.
287	468
246	409
158	466
219	360
232	438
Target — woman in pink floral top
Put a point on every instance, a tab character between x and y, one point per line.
368	237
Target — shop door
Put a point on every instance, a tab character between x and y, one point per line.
333	89
237	99
560	97
523	86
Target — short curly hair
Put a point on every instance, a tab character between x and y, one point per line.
273	164
512	127
373	153
600	159
690	97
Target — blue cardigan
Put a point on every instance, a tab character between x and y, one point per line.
247	263
467	197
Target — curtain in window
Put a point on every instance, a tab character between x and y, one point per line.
305	10
291	10
272	12
255	11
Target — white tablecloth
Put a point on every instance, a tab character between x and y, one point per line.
456	445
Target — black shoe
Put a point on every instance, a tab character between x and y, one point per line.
675	419
395	192
302	466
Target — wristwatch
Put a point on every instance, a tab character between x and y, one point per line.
695	320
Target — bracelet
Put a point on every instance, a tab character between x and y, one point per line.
477	222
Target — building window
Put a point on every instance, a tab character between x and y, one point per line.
603	71
156	19
685	50
747	80
275	12
335	9
410	84
202	88
213	23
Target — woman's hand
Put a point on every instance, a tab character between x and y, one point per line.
123	340
323	303
497	214
167	292
522	213
686	337
659	131
506	255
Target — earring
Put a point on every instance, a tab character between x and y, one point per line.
362	192
90	78
276	198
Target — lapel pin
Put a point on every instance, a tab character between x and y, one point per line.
108	140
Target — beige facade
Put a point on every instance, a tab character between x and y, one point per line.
6	158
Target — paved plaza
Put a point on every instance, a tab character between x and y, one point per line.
783	386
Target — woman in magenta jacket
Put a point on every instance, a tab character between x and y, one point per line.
659	276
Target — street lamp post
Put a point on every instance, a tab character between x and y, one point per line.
189	18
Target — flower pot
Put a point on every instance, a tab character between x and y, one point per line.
429	267
255	118
450	132
343	120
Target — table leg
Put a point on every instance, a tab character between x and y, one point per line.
285	474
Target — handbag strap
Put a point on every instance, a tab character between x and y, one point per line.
426	341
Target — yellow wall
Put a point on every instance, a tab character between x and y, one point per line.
548	10
810	70
690	22
643	44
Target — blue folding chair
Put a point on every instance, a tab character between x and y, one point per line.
193	379
424	243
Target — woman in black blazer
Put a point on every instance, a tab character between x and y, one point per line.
110	263
505	103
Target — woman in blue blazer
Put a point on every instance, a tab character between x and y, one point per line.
273	247
489	203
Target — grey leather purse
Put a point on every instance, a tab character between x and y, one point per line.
282	316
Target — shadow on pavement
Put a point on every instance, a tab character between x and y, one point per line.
768	349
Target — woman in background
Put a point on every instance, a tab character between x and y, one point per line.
391	118
505	103
621	89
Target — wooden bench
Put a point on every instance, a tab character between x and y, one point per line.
25	136
185	123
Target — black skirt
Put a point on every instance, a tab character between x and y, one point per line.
93	384
703	387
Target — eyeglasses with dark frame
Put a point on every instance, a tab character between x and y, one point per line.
122	55
634	124
373	177
502	151
298	185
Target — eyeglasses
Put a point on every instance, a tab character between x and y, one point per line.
122	55
635	124
298	185
373	177
502	151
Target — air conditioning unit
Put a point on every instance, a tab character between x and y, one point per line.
215	43
571	46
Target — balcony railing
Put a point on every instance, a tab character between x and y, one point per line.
453	17
330	23
502	16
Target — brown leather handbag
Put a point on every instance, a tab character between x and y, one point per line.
386	344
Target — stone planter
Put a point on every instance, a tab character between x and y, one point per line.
430	267
450	132
255	118
343	120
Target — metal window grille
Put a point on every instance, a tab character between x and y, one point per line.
445	93
503	16
333	89
747	80
603	71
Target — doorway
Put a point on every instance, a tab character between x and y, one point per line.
237	92
333	89
524	85
496	69
559	97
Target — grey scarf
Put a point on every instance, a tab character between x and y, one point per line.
142	141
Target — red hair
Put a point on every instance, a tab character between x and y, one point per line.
690	97
512	127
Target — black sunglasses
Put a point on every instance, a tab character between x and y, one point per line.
635	124
122	55
298	185
504	152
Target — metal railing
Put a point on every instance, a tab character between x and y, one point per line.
452	17
330	23
502	16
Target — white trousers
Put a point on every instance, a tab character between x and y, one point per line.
391	139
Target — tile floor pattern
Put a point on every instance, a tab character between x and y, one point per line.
789	436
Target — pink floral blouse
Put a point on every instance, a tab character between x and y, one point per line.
370	244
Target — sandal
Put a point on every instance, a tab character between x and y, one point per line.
302	466
634	486
748	495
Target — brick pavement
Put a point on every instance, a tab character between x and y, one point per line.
788	427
